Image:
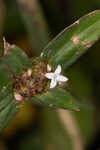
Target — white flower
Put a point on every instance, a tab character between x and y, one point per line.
18	97
56	77
29	72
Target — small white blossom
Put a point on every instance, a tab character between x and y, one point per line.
29	72
18	97
56	77
48	68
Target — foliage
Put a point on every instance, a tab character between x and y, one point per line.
65	49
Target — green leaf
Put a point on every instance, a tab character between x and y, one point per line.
5	76
16	61
8	112
4	96
57	98
73	41
11	65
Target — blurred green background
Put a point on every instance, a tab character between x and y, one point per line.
31	24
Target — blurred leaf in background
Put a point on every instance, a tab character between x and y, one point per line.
35	23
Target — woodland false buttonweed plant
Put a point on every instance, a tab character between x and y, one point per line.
22	78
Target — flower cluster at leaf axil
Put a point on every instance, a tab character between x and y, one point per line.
30	84
31	81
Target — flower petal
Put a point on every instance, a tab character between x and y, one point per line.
48	68
49	75
58	70
61	78
53	83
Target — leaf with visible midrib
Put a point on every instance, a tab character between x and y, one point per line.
73	41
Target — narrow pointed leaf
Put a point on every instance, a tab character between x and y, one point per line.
57	98
73	41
